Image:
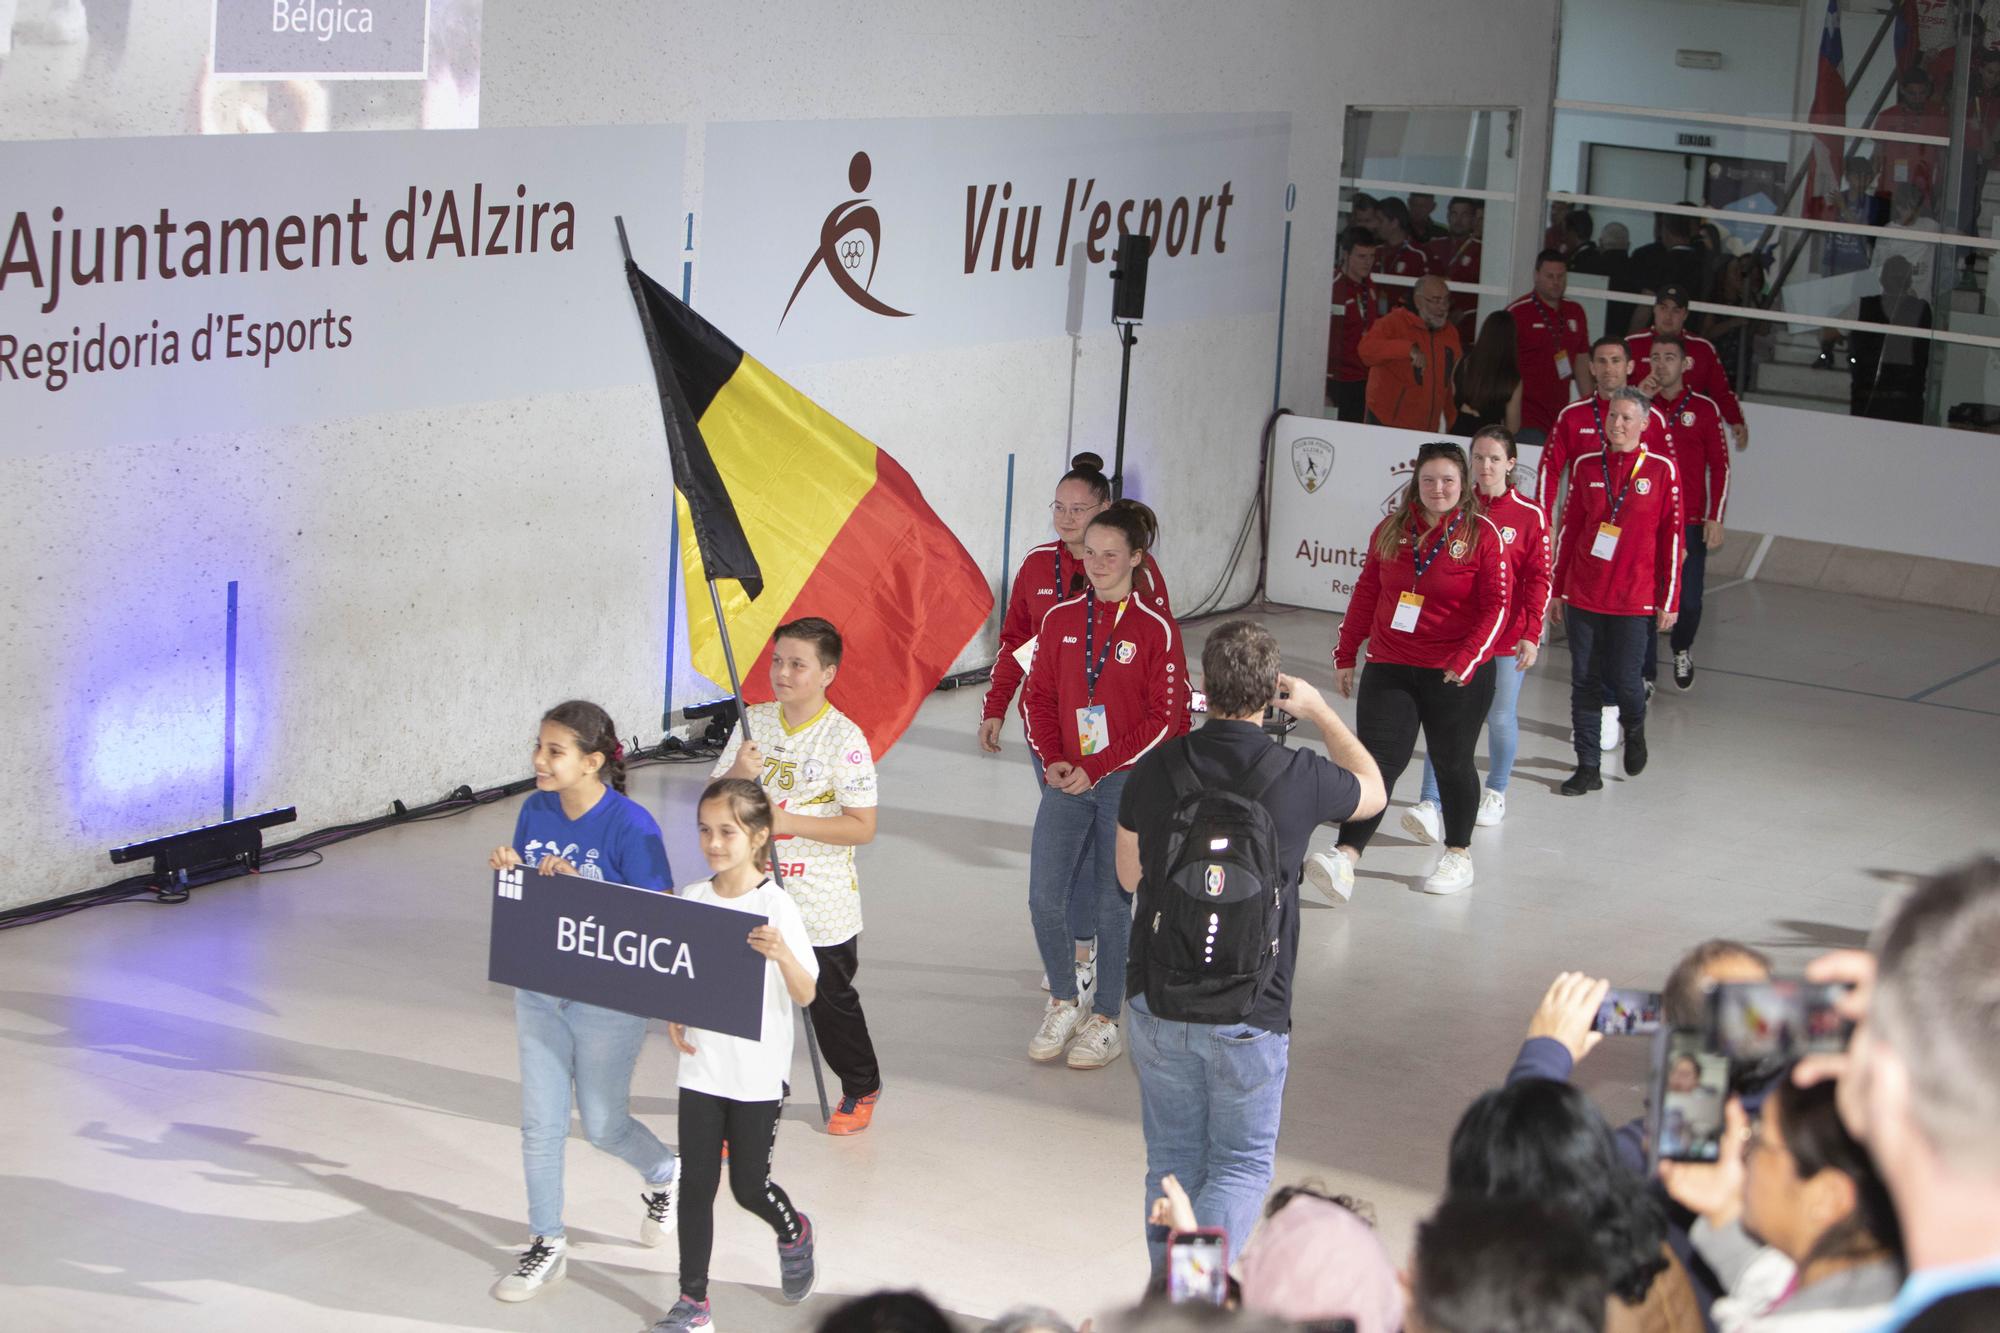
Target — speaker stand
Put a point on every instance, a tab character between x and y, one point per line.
1127	336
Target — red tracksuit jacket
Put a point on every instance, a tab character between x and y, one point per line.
1701	455
1643	575
1704	372
1579	429
1524	532
1545	340
1045	577
1465	603
1143	684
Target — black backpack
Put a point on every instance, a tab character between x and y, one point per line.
1211	941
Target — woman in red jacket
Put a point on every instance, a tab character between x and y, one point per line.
1108	684
1431	604
1524	535
1050	573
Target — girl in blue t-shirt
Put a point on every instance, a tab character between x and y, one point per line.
580	822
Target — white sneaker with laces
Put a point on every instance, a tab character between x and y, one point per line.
1492	807
542	1264
1421	822
1331	874
659	1219
1059	1023
1453	874
1097	1044
1608	732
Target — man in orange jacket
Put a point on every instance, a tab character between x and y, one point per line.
1412	355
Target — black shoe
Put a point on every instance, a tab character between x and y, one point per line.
1583	780
1635	750
1683	670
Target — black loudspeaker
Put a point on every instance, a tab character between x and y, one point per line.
1128	280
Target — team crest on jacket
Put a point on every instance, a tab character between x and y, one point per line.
1507	535
1312	462
1644	485
1687	418
1127	650
1214	880
1458	549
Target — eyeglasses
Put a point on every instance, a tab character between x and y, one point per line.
1075	511
1441	449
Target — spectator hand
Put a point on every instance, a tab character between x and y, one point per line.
1299	698
1567	1012
1714	1189
1855	968
1173	1209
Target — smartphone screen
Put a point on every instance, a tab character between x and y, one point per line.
1629	1013
1777	1020
1690	1088
1198	1267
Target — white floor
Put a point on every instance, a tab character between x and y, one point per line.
292	1102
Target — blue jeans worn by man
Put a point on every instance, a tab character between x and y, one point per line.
1209	1100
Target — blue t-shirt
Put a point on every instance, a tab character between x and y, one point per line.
615	840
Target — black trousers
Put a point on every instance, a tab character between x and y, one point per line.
1607	661
838	1022
752	1131
1350	399
1392	704
1694	572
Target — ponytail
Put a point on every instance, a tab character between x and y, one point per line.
1139	525
594	735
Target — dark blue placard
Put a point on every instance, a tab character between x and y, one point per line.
628	949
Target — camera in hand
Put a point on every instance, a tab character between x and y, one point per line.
1198	1266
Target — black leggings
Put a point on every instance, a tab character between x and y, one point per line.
1393	702
752	1131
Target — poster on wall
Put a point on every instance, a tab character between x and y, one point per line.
88	69
1332	483
860	238
157	287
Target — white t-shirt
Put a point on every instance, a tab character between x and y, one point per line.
736	1067
817	771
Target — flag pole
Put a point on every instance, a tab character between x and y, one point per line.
743	723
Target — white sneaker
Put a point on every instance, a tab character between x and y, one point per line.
543	1263
1097	1044
659	1219
1059	1023
1453	874
1331	874
1492	807
1608	733
1420	821
1086	980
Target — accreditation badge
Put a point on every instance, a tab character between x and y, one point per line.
1607	541
1408	607
1093	730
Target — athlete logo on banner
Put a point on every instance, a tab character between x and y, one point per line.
1312	463
851	233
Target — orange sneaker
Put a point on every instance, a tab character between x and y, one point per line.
853	1114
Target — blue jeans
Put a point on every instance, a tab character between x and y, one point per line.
567	1043
1209	1099
1074	854
1082	910
1503	731
1607	655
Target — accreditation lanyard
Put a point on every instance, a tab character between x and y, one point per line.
1679	404
1604	461
1597	406
1423	562
1093	661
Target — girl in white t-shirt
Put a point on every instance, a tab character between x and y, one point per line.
733	1089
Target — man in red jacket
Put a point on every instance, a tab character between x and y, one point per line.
1457	256
1353	311
1705	371
1694	436
1412	355
1618	560
1552	341
1579	428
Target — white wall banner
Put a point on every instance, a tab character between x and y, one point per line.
847	239
1332	482
158	287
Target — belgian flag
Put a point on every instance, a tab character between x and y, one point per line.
806	518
